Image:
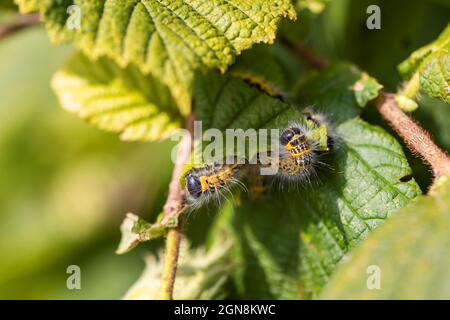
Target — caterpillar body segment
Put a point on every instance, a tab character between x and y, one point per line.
212	182
258	183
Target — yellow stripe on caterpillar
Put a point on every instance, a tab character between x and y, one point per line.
211	181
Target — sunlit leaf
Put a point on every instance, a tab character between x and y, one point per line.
435	75
137	106
432	62
169	39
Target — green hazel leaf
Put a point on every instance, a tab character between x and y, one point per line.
409	253
137	106
168	38
330	91
288	245
225	102
201	274
432	64
414	61
308	11
366	89
435	75
270	68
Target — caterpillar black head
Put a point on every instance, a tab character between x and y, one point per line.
288	135
297	153
211	182
193	186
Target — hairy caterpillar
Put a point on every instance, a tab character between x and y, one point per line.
212	182
300	150
301	146
258	184
297	153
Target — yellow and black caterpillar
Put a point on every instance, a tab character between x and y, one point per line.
211	181
301	148
296	161
297	153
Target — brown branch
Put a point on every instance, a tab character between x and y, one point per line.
416	138
306	54
173	207
21	23
173	241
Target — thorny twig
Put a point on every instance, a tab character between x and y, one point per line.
415	137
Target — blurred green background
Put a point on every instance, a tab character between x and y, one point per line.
65	186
